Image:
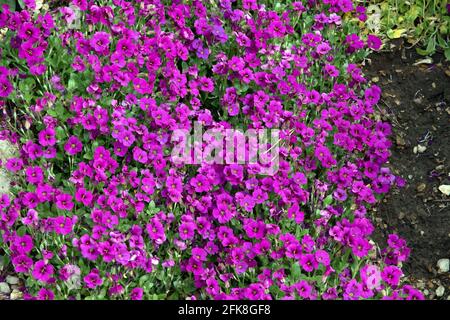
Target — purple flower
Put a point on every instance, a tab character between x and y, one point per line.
35	175
202	53
373	42
308	262
199	254
93	279
137	294
5	87
100	41
254	291
24	244
45	294
14	164
186	230
73	146
42	271
139	155
22	263
84	196
304	289
63	225
47	137
64	202
391	275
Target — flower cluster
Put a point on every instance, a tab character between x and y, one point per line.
99	207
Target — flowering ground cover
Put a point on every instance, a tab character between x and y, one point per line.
92	95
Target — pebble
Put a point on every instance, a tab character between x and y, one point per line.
445	189
12	280
420	285
419	149
443	265
423	61
440	291
16	295
4	288
421	187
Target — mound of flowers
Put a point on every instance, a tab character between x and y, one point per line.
92	96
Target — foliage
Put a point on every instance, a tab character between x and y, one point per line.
425	23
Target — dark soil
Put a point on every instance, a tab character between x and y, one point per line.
416	100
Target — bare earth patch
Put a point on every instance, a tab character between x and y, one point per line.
416	100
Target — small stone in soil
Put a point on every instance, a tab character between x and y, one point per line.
440	291
445	189
421	187
443	265
418	100
419	149
4	288
12	280
16	295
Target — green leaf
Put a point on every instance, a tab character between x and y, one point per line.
174	296
72	84
276	291
431	48
102	294
189	286
447	54
296	271
442	43
395	33
4	262
60	133
413	13
143	280
21	231
327	201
